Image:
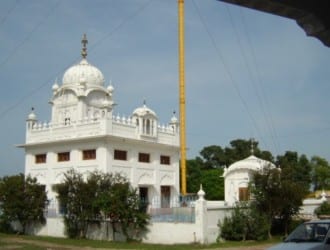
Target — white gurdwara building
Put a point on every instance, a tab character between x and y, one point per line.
84	134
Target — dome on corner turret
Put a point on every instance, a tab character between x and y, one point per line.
83	73
143	111
32	116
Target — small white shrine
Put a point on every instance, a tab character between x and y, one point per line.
238	176
85	135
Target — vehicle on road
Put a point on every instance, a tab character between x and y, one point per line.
312	235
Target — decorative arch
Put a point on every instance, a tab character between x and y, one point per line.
40	177
145	179
167	180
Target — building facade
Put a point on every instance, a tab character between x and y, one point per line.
83	134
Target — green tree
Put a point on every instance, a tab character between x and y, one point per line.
121	205
276	196
212	157
296	169
76	197
238	150
194	176
213	184
320	173
106	197
211	179
23	200
292	197
266	190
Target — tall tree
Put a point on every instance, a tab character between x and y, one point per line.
213	184
213	157
23	200
296	168
211	179
266	190
320	173
194	176
276	195
291	200
238	150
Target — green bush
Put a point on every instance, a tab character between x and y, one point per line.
5	226
245	223
324	209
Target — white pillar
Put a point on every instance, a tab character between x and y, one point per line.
201	218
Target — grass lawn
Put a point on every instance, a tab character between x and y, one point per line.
46	243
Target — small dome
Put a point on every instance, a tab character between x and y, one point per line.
32	116
85	73
250	163
174	119
110	88
55	87
143	111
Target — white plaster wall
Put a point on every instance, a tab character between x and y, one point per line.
159	233
309	206
233	181
54	227
216	212
171	233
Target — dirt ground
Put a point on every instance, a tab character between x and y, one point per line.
14	244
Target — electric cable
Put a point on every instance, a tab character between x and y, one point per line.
229	74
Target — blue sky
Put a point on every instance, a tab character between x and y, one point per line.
248	74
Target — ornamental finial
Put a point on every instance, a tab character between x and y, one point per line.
252	146
84	42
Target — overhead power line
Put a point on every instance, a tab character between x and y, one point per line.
264	99
260	95
227	70
4	18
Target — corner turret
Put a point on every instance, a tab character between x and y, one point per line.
31	120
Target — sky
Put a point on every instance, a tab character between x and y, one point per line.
248	74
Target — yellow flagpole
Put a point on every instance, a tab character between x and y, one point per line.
182	98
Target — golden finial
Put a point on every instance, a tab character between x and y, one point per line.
84	42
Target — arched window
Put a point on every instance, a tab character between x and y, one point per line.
67	121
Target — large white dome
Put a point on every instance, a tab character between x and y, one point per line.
83	73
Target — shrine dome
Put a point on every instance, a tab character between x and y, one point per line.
250	163
83	72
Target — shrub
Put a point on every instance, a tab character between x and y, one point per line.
245	223
324	209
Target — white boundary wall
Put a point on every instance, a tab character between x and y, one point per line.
204	230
